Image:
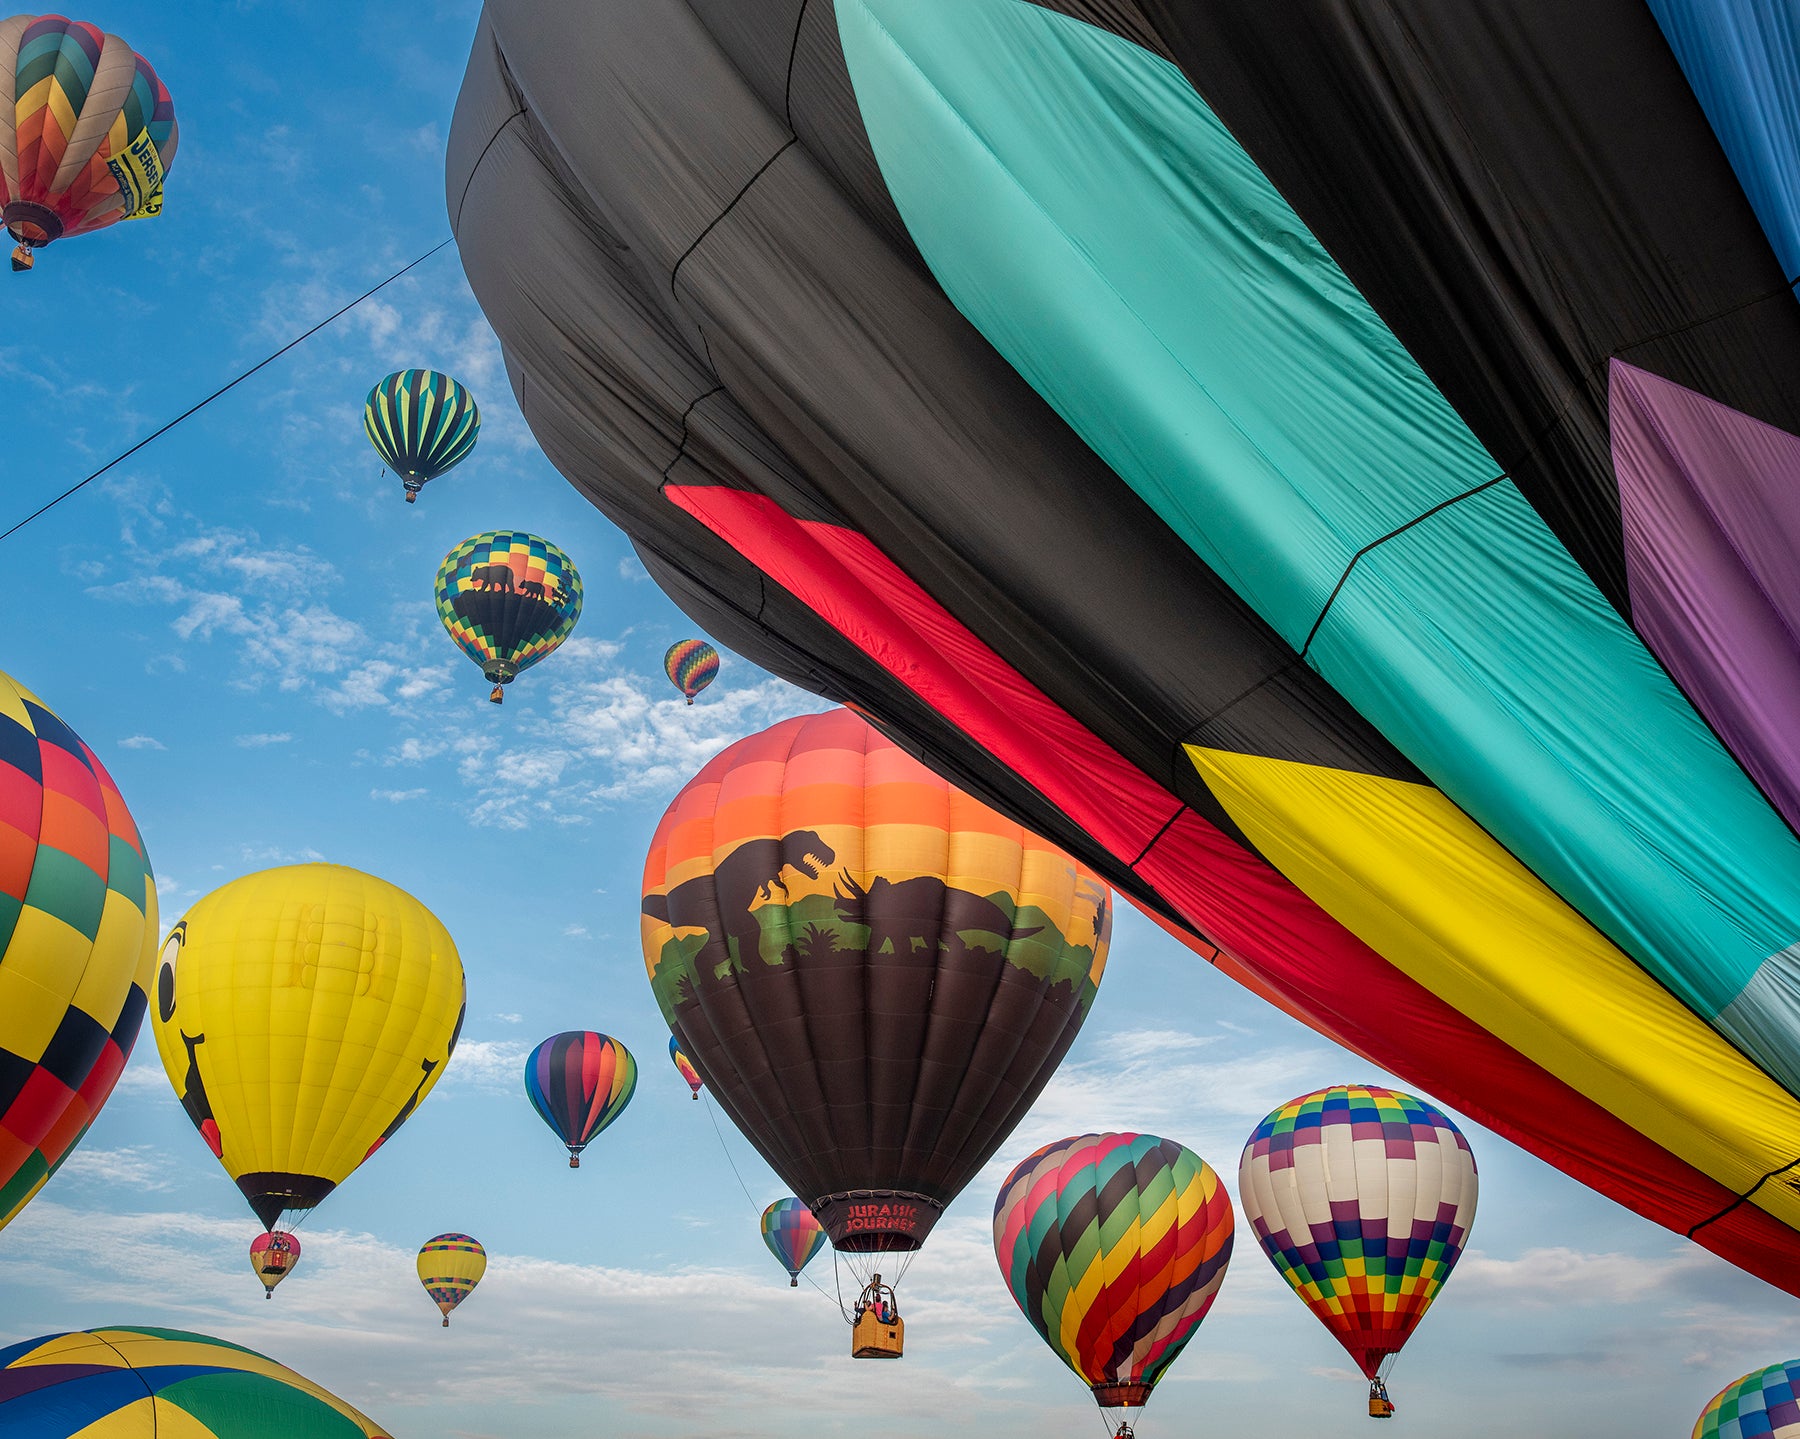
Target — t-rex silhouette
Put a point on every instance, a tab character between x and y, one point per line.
922	910
750	872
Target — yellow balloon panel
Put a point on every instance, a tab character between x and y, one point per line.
302	1014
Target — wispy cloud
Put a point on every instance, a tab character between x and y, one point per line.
262	741
398	796
141	741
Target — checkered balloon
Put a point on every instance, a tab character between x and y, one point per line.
77	941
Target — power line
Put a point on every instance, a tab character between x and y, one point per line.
229	385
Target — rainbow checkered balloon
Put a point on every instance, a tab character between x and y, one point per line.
1763	1405
508	599
1362	1198
691	666
77	941
1114	1247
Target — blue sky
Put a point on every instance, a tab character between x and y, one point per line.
239	621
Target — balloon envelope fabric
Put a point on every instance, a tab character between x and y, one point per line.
77	941
138	1383
87	131
508	599
580	1082
879	972
422	423
302	1013
1762	1405
1114	1247
1362	1198
908	554
792	1235
450	1266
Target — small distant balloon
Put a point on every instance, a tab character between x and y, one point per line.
89	132
793	1236
580	1082
422	423
450	1266
508	599
273	1257
1763	1405
686	1066
691	665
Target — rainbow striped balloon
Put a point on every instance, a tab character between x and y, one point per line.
1362	1198
686	1067
1763	1405
579	1082
1114	1247
691	666
793	1236
450	1266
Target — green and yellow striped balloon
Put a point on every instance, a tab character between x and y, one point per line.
421	423
507	598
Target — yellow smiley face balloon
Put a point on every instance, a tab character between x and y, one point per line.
302	1014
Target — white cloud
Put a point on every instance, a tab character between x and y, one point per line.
138	1168
262	741
492	1065
510	1018
575	931
141	741
397	796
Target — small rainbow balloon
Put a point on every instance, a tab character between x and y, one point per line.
793	1236
686	1066
691	665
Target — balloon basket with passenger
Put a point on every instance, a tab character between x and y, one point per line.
1380	1406
878	1332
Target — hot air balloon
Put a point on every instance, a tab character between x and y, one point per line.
579	1083
450	1266
878	972
422	423
288	978
1114	1247
273	1257
127	1382
686	1067
1362	1198
1763	1405
507	598
792	1235
691	666
87	132
77	941
1328	606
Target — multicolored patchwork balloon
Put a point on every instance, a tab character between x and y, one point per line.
579	1082
1763	1405
283	979
793	1236
128	1382
686	1068
77	941
87	132
1114	1247
422	423
273	1257
450	1266
1362	1198
508	599
691	666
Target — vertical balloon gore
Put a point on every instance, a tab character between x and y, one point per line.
579	1082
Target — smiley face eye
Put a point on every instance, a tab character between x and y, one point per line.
165	971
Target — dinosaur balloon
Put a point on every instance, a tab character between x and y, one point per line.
877	972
